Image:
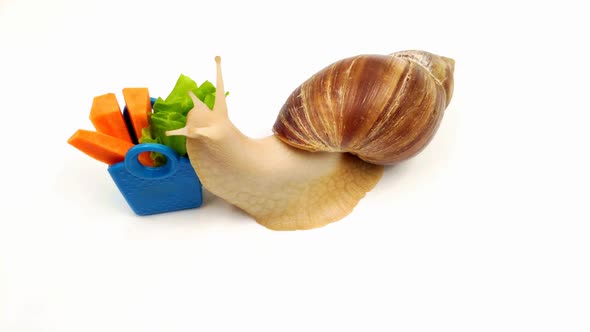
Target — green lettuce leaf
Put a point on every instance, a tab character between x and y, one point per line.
178	100
164	121
170	113
146	137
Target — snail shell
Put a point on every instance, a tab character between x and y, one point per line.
382	108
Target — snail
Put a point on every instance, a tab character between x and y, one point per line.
331	140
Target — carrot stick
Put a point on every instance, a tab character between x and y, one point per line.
145	159
99	146
138	107
107	118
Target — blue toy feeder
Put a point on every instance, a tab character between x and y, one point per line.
150	190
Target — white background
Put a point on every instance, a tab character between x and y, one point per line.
487	230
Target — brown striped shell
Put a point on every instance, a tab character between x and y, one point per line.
382	108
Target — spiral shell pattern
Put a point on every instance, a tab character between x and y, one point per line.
382	108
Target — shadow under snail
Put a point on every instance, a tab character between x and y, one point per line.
331	138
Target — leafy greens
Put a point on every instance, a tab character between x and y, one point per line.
170	113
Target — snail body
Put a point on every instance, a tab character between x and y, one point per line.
331	138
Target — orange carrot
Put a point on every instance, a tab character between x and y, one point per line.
145	159
107	118
139	107
99	146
